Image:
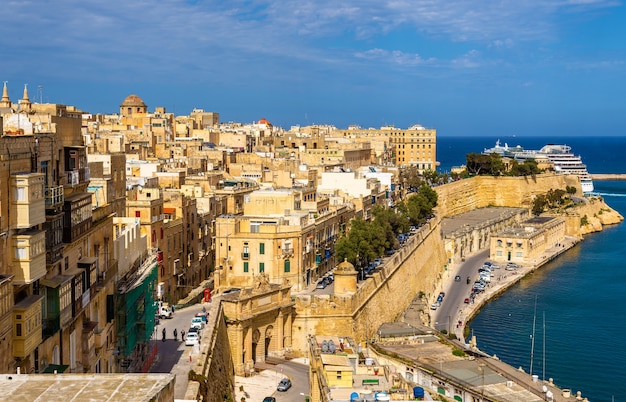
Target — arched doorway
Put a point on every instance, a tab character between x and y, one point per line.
268	339
256	335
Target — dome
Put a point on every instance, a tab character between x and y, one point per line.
264	121
345	266
133	100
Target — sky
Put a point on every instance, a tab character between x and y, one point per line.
463	67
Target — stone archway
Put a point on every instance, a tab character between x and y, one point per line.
256	336
268	339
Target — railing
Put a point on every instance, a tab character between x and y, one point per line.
54	196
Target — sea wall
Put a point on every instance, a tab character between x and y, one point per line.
482	191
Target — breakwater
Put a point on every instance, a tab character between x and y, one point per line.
609	176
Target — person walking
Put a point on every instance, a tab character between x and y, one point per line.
182	334
163	339
175	334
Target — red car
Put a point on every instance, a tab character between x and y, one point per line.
466	301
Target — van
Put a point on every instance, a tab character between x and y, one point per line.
165	312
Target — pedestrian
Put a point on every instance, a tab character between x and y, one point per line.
163	339
175	334
182	334
203	309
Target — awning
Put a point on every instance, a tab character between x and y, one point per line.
55	281
60	368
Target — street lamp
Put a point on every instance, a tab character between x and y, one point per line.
481	368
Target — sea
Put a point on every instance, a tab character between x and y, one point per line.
566	321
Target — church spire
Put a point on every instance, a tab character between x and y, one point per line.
5	101
25	102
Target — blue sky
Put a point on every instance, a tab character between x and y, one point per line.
508	67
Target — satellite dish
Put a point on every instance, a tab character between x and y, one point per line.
331	346
139	188
324	346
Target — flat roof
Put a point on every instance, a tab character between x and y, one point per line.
85	387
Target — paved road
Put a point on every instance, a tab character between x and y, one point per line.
173	356
447	315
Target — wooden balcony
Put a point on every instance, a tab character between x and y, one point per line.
27	200
89	344
29	256
27	329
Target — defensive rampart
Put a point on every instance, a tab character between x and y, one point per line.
420	264
417	267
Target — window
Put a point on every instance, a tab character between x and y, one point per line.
245	266
518	254
137	214
499	253
20	253
246	250
287	266
18	329
519	245
262	248
20	194
499	243
261	267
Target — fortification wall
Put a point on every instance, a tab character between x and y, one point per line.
482	191
417	267
420	264
215	368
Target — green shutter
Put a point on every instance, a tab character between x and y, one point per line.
245	266
262	249
261	267
287	266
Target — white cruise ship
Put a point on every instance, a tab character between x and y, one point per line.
564	161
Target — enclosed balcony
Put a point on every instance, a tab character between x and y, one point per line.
27	328
27	200
89	344
28	250
54	196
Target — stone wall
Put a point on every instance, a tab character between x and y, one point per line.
216	371
417	267
482	191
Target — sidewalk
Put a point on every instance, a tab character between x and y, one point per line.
260	384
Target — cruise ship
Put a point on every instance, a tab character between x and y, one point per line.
561	156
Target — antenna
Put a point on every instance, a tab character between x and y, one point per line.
40	93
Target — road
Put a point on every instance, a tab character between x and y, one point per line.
299	375
446	316
173	356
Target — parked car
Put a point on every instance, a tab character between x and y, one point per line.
197	322
321	284
269	399
204	316
467	300
284	385
434	306
192	339
457	278
196	331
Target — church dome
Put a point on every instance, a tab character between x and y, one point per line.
133	101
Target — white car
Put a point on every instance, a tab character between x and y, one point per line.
197	322
192	339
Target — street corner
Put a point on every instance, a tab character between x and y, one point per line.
256	387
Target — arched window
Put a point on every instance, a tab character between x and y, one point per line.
154	235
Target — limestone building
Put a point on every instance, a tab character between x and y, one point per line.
525	243
259	320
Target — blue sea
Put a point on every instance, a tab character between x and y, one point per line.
575	300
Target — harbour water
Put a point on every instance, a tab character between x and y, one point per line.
580	293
